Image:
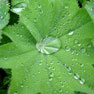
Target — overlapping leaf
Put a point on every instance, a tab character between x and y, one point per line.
4	16
68	71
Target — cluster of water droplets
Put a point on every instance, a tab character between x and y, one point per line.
40	8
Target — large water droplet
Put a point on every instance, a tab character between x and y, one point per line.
49	45
18	8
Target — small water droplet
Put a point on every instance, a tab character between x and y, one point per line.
15	92
76	76
75	41
22	86
39	6
62	86
5	58
83	50
82	81
60	90
79	44
66	6
70	33
67	49
41	11
35	20
50	79
1	17
40	64
69	68
82	65
51	74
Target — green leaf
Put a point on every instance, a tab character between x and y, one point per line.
90	8
4	15
69	70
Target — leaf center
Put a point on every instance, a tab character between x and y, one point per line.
48	45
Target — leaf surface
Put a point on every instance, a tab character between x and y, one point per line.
4	15
68	71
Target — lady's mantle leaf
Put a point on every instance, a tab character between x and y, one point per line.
64	72
4	16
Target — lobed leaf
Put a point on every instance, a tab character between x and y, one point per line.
4	15
67	71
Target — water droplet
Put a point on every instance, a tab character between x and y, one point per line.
67	49
22	86
40	64
76	76
52	63
66	6
69	68
35	20
51	74
49	45
15	92
89	46
79	44
60	90
50	79
5	58
41	11
70	33
19	7
1	17
39	6
83	50
82	81
75	41
82	65
62	86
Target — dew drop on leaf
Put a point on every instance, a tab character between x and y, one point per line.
76	76
82	65
41	11
70	33
22	86
82	81
5	58
67	48
18	8
48	45
15	92
51	75
60	90
50	79
39	6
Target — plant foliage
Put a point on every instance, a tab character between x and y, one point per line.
70	70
